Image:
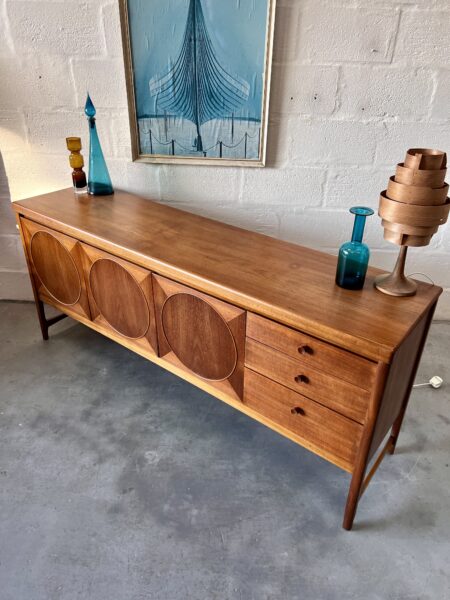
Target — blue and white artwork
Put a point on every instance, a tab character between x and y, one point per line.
200	75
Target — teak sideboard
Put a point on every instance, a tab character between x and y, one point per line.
256	322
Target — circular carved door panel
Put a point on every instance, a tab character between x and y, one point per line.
55	268
199	336
119	298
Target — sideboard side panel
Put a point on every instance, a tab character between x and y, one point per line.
400	380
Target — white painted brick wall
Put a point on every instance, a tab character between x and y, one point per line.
355	83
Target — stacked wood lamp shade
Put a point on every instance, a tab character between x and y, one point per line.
412	208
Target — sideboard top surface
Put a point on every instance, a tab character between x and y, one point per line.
282	281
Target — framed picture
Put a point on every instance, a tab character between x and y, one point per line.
198	79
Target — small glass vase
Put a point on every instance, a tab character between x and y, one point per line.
353	258
99	181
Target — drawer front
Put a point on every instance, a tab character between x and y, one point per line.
344	397
319	355
121	298
325	432
56	267
201	335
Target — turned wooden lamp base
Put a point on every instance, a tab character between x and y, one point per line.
396	283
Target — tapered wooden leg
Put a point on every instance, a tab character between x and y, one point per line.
352	499
399	420
356	483
395	431
43	321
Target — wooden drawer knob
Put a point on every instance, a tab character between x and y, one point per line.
305	349
301	379
297	411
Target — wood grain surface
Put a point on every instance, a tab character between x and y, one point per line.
343	397
424	178
119	298
285	282
58	259
55	267
312	352
414	194
324	429
199	336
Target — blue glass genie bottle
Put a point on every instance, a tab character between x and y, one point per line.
99	181
354	256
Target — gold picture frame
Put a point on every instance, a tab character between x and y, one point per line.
250	150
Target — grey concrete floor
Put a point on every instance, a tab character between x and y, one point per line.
121	482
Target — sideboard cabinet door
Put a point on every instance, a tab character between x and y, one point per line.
56	267
121	299
201	335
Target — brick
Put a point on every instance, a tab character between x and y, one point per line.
111	29
327	229
5	37
339	142
47	173
381	91
118	123
199	188
406	3
55	27
7	219
44	173
340	34
104	79
356	186
304	89
261	219
285	44
398	137
441	100
136	177
39	82
285	187
13	134
424	38
52	139
279	141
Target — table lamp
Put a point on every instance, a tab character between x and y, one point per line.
412	208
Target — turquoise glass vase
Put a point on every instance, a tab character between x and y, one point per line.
353	258
99	181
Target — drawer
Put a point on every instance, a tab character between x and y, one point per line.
320	355
320	429
344	397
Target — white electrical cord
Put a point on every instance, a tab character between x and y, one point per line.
435	382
